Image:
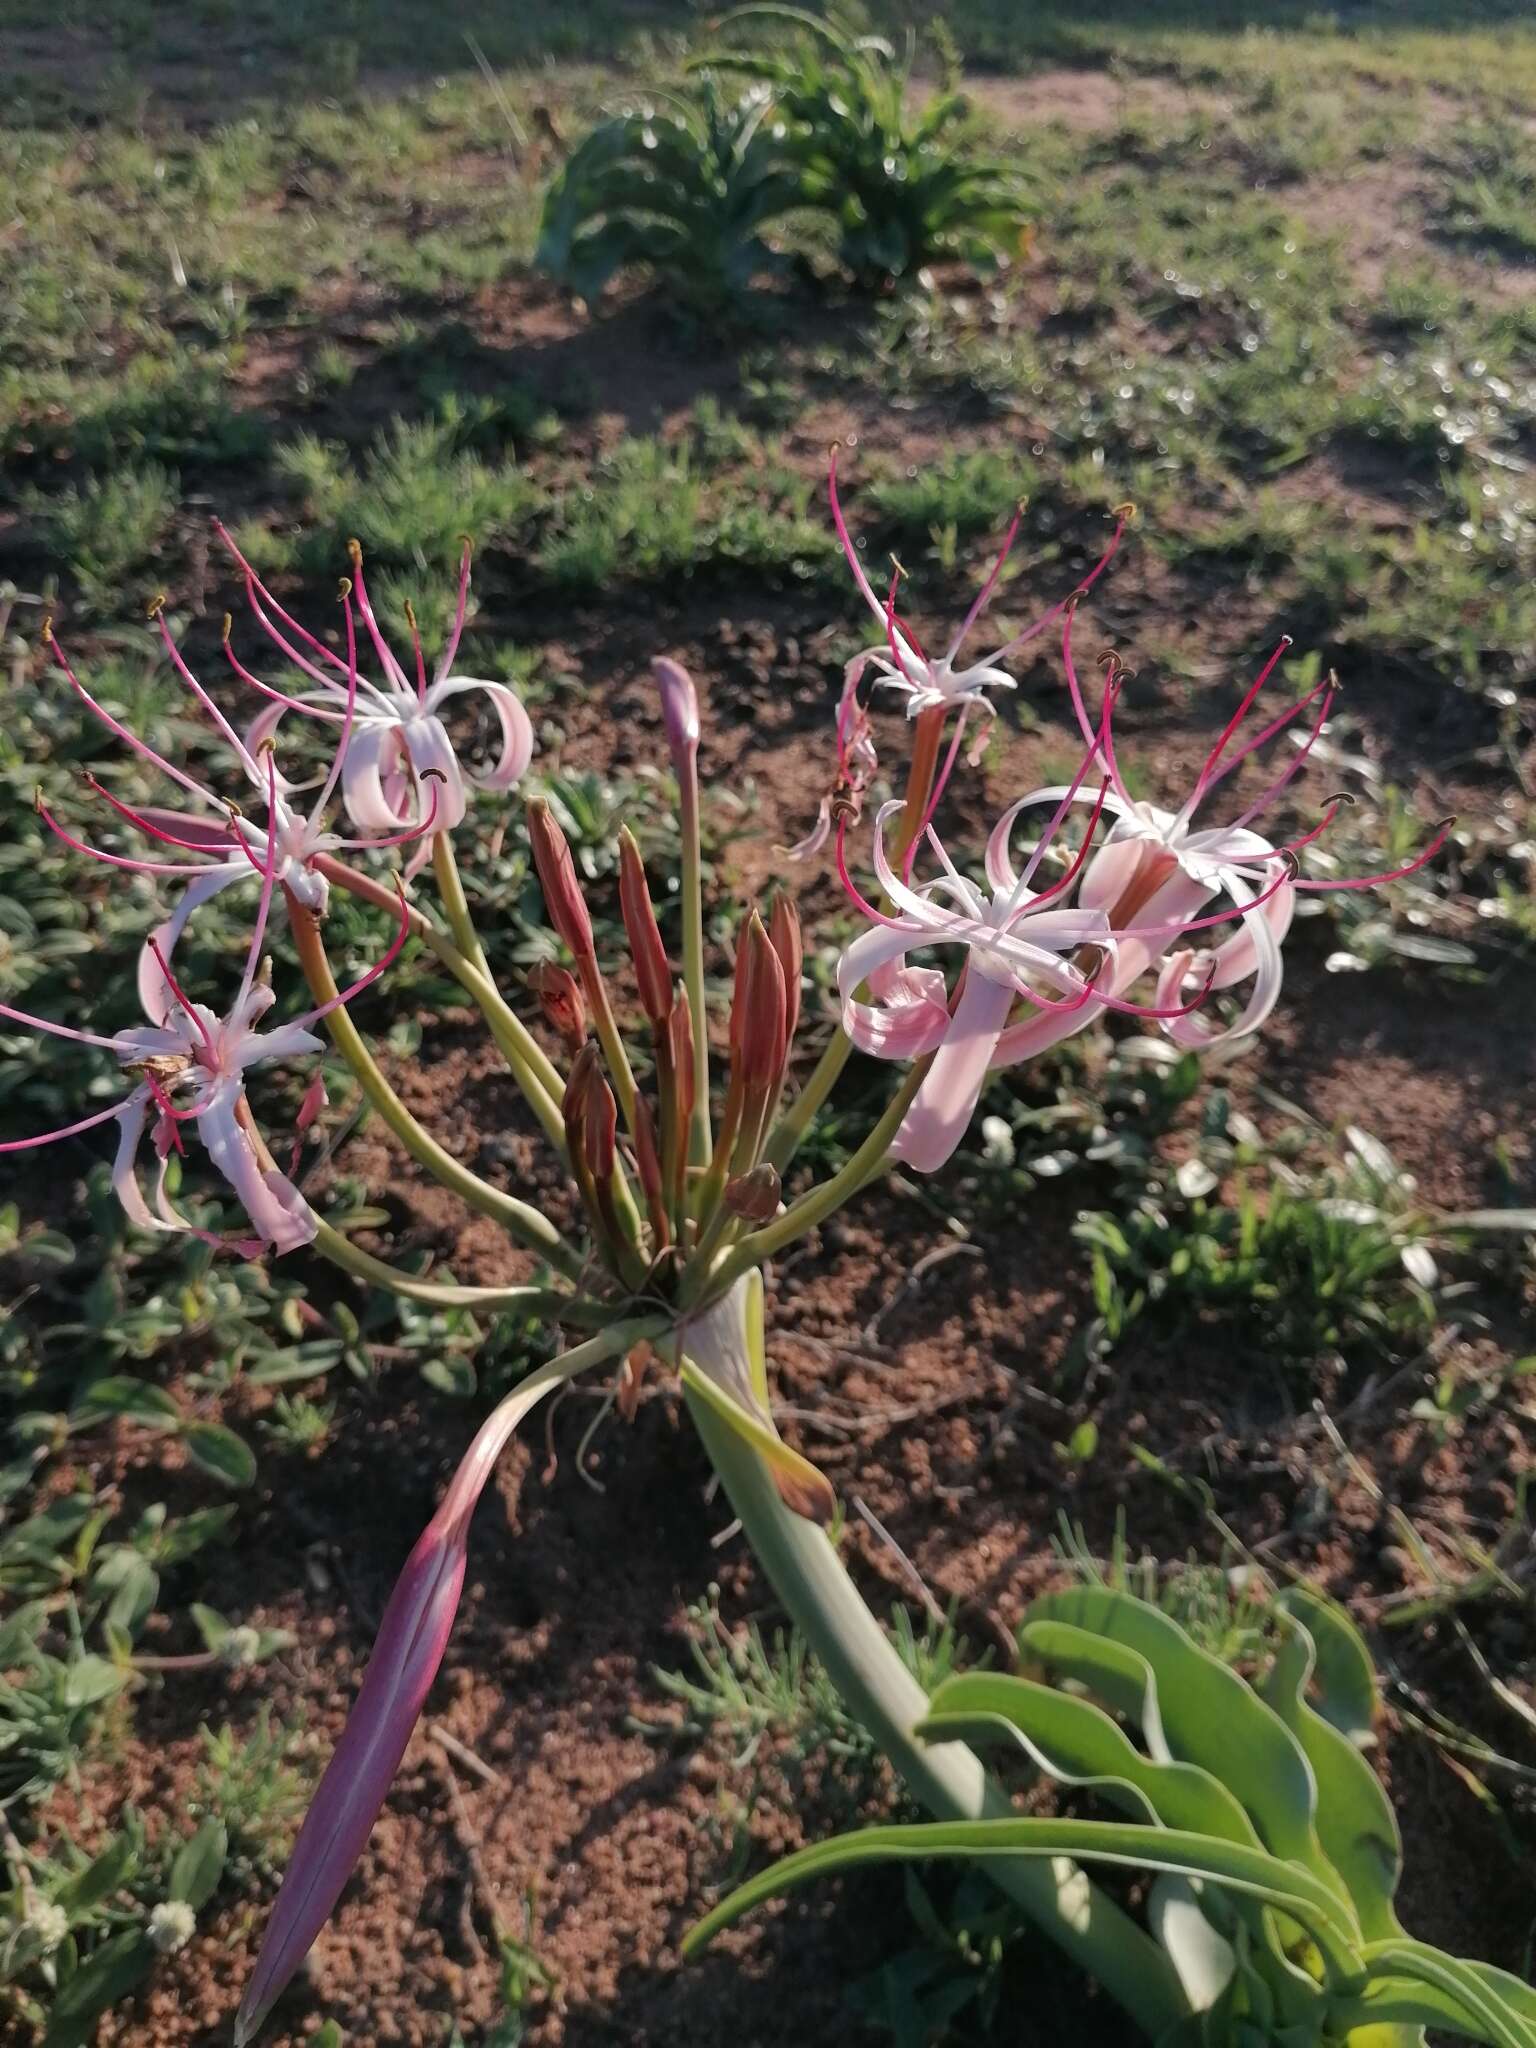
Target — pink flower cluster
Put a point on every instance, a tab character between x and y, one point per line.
399	781
1041	959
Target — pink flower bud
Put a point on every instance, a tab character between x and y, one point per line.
562	1002
679	706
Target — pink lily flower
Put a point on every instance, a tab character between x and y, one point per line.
899	658
406	1655
1157	870
190	1068
397	735
226	846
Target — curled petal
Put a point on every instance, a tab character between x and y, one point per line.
1238	957
946	1102
155	992
125	1181
427	749
912	1014
375	752
814	840
1196	1032
516	730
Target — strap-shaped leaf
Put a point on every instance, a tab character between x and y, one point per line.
1211	1717
1121	1676
1355	1821
1250	1873
802	1488
1078	1744
1487	2013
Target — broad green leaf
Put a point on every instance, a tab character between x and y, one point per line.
220	1452
199	1865
107	1974
1343	1677
89	1680
100	1878
1211	1717
1355	1821
1077	1743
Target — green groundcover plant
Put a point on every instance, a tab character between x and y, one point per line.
1084	904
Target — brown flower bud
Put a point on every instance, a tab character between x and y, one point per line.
784	932
562	1002
652	970
648	1164
754	1195
759	1014
557	877
680	1045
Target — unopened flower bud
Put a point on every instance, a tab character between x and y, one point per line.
171	1926
759	1013
679	705
680	1046
563	899
754	1195
784	932
562	1002
599	1124
652	971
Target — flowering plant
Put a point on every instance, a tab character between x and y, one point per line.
1093	903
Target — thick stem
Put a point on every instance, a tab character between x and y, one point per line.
532	1069
527	1224
947	1778
700	1144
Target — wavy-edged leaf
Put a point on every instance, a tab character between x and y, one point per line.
1209	1715
1355	1821
1343	1677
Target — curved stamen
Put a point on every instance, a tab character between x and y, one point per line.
268	877
254	682
1123	514
1239	715
445	665
1328	687
57	1030
1442	832
154	831
1102	742
1078	859
987	588
421	666
349	717
258	593
120	730
938	790
180	994
422	830
845	538
178	662
381	647
367	980
1293	768
87	1123
895	924
116	860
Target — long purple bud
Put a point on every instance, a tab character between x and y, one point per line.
406	1654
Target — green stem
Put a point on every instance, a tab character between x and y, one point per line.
450	887
532	1069
796	1120
527	1224
947	1778
700	1144
814	1206
540	1301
